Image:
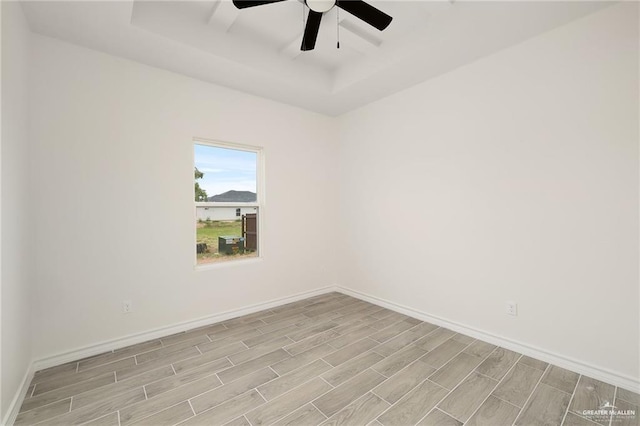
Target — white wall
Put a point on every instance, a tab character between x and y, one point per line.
521	173
113	163
15	290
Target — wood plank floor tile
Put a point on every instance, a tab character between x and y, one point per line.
55	372
133	370
307	415
285	404
234	373
498	363
235	331
302	359
207	357
533	363
100	408
299	321
351	368
237	338
414	406
228	411
400	384
311	331
341	396
136	382
560	378
73	379
401	341
43	413
392	331
349	338
573	420
348	352
211	398
259	350
67	391
110	419
294	313
468	396
284	384
247	319
438	418
632	416
190	334
110	357
457	369
546	406
463	338
591	394
435	339
494	412
399	360
311	342
349	326
480	349
168	350
518	384
360	412
382	313
240	421
140	410
628	396
185	377
168	416
443	353
386	322
268	337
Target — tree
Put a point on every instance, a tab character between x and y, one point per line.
201	194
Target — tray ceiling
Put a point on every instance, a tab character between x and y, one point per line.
257	50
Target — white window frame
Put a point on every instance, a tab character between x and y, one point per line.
259	204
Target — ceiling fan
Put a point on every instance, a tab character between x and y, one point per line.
357	8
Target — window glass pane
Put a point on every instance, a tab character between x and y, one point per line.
226	210
227	175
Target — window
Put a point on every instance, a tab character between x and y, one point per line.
227	201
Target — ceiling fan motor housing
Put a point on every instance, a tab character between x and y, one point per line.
320	6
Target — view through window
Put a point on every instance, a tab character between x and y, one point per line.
226	198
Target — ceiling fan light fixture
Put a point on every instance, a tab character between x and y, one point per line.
320	6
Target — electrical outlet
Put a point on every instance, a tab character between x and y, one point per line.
127	306
511	308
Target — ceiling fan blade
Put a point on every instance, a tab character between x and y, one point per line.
366	12
243	4
311	30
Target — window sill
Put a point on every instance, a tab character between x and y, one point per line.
226	264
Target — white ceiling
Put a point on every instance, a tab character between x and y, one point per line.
257	50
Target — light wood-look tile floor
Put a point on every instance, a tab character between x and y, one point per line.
330	359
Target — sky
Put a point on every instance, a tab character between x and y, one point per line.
225	169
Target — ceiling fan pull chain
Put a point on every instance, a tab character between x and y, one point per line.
338	25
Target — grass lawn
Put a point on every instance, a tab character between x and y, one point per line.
208	233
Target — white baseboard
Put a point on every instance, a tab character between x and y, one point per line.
599	373
16	402
106	346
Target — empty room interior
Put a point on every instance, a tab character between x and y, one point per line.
306	212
